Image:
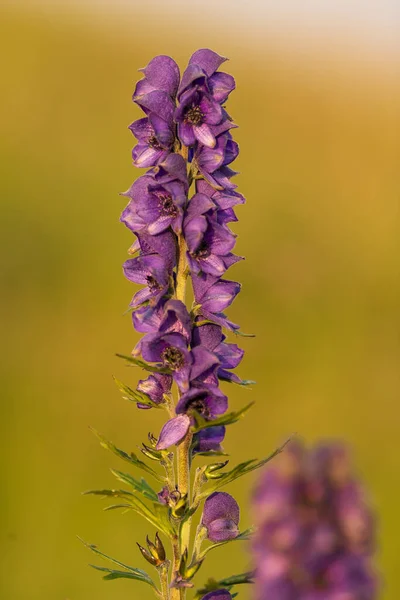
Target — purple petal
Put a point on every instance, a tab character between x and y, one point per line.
222	530
211	110
210	439
204	135
145	156
221	85
158	102
193	73
162	73
203	360
220	505
173	432
207	60
186	134
218	595
208	335
162	130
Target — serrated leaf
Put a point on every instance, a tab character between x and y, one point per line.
129	572
239	470
139	486
144	365
130	458
227	419
136	396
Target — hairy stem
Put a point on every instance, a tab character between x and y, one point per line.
163	573
175	593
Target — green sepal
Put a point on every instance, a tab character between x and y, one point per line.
144	365
140	486
227	583
227	419
136	396
130	458
242	382
241	334
127	573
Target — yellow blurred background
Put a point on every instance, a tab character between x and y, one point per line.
319	138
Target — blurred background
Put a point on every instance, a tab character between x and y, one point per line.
317	102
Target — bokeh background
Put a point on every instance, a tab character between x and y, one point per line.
317	102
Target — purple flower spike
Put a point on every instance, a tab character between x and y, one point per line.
173	432
221	517
218	595
181	239
303	549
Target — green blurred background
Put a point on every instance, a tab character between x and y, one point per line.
319	137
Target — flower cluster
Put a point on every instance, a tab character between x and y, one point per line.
316	532
185	140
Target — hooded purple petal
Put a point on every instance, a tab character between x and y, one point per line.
207	60
162	73
221	517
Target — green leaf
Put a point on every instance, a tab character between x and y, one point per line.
227	419
240	469
139	486
245	535
144	365
128	572
157	514
130	458
108	493
136	396
226	583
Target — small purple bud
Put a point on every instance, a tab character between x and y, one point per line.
173	432
221	517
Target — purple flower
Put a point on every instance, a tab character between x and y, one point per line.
155	386
158	198
214	295
155	138
163	244
208	401
221	517
195	115
210	336
213	162
150	270
218	595
315	535
209	243
171	351
209	440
